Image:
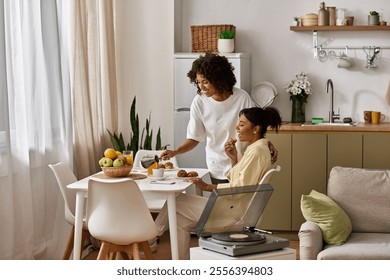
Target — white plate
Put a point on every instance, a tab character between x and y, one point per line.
172	169
146	171
157	178
264	94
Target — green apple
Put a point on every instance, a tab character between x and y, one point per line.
107	162
101	161
118	162
123	158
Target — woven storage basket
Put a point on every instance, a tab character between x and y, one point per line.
122	171
205	37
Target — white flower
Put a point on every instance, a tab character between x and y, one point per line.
299	88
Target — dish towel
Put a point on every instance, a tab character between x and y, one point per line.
388	94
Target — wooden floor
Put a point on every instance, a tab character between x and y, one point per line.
164	248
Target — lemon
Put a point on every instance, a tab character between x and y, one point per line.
118	153
110	153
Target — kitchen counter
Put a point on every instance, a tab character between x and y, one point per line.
360	127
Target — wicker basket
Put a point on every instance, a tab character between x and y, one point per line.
205	37
122	171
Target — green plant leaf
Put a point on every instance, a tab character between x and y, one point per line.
158	140
227	34
115	141
136	142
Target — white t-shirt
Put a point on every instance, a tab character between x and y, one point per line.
217	120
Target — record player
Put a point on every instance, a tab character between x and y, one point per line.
228	222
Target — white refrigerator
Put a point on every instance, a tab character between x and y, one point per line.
185	93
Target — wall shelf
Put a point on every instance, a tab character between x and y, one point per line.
341	28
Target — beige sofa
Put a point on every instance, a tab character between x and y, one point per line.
364	195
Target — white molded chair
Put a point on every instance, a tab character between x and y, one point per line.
65	176
155	203
268	175
118	216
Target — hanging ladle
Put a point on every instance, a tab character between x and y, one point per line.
376	51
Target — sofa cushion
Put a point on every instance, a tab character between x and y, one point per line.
333	221
364	194
360	246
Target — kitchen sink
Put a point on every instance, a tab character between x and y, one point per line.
329	124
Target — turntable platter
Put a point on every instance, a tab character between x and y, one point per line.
238	238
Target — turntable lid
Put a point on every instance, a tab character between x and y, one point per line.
231	209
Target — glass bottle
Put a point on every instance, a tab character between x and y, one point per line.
323	17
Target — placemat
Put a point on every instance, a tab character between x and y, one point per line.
134	176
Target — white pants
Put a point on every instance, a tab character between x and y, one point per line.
188	210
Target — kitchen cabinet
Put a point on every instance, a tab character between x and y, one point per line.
308	170
277	214
344	149
376	152
306	159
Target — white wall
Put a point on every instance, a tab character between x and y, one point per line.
145	63
278	53
149	32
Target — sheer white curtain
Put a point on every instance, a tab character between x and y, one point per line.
95	105
35	126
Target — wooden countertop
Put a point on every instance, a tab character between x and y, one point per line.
360	127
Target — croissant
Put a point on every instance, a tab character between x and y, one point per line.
182	173
192	174
168	165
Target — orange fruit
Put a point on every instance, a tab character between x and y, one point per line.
118	153
110	153
150	168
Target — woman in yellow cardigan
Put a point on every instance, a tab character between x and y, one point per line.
252	127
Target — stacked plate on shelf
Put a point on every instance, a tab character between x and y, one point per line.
309	20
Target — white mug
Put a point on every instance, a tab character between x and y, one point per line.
158	172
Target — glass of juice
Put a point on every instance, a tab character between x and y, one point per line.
129	156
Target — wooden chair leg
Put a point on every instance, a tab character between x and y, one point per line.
124	255
84	235
147	251
69	245
135	251
104	250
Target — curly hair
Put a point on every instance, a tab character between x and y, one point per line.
216	69
267	117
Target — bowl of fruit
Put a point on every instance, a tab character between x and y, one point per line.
114	164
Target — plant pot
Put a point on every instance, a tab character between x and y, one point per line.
225	45
373	19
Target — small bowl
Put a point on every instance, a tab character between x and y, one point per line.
116	172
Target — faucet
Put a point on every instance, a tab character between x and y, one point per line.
332	115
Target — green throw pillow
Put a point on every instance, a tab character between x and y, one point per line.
333	221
